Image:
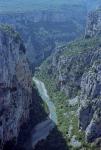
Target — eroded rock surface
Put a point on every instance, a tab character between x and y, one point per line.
76	69
15	84
94	24
90	112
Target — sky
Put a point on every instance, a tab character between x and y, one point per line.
29	5
24	5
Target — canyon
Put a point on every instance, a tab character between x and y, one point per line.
50	78
17	97
44	30
74	70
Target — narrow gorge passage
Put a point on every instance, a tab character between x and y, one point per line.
42	130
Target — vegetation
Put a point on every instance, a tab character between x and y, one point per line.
9	30
43	105
67	115
81	46
44	30
64	113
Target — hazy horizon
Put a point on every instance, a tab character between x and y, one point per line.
29	5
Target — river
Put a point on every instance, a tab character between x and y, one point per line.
43	129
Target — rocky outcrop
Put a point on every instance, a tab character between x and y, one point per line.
76	70
68	69
90	111
15	85
94	24
81	74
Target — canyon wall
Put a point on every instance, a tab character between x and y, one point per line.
15	84
94	23
75	69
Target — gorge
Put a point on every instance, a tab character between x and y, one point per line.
50	75
43	129
44	30
73	74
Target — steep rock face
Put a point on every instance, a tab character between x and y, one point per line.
94	24
90	111
76	70
80	73
69	68
15	85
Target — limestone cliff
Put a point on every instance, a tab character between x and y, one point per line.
15	85
94	24
90	110
76	70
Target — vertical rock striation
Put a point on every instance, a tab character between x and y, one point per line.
94	24
15	84
76	70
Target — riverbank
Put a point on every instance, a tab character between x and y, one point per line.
37	115
45	97
55	140
42	130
